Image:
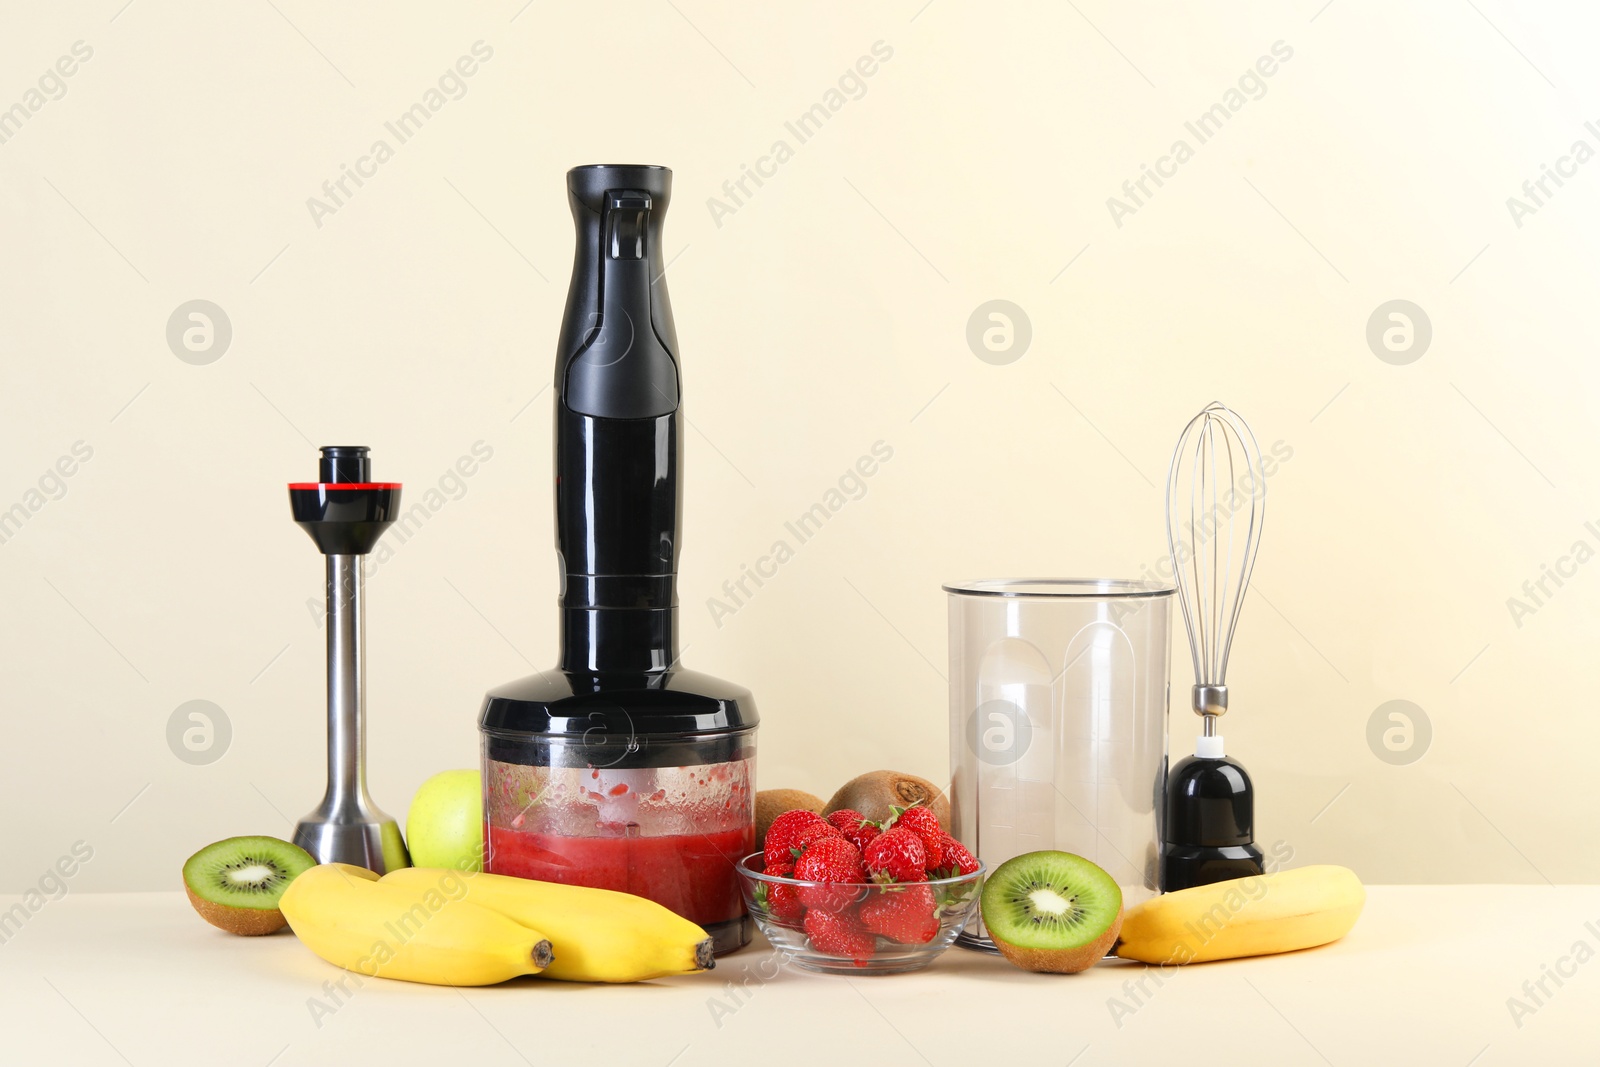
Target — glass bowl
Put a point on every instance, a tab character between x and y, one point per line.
926	915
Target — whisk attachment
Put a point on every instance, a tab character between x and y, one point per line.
1216	508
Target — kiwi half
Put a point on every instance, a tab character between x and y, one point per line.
1052	911
235	884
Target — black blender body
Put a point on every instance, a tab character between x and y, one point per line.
620	769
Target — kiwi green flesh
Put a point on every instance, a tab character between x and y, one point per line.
1050	901
249	873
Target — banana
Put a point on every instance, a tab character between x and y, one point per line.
599	935
1254	916
423	932
353	871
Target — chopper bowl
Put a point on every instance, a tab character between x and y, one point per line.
956	899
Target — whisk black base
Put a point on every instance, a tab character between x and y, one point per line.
1185	868
1209	831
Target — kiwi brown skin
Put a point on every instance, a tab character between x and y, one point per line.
1061	960
876	793
771	803
246	922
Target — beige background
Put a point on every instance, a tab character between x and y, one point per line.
827	313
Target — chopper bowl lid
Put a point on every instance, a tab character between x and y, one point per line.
1046	588
678	718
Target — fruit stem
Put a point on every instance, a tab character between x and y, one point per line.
704	957
543	954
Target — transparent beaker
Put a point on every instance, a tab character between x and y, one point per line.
1058	714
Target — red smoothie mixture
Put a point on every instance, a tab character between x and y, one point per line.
692	874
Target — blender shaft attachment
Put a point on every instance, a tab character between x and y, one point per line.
347	827
347	713
345	514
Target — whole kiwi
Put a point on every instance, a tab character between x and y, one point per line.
874	795
771	803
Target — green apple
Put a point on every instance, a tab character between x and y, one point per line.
445	824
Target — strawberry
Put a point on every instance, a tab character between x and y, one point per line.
925	824
837	935
781	901
897	853
904	914
856	827
957	860
785	904
814	832
834	863
780	837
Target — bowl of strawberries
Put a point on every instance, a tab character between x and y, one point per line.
842	894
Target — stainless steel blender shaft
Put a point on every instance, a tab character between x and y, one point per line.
347	826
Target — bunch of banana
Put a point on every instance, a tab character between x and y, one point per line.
599	935
1281	912
352	920
452	928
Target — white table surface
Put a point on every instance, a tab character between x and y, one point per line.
1424	979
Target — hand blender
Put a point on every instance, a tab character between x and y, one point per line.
620	769
345	512
1208	824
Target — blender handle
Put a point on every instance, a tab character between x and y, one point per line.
617	354
618	442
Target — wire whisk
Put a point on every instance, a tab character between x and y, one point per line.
1213	542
